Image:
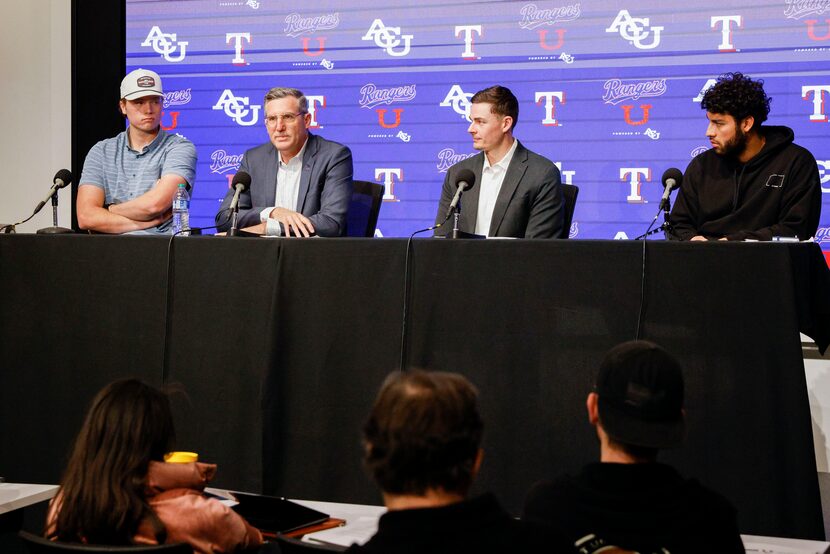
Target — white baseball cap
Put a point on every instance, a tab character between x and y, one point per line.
140	83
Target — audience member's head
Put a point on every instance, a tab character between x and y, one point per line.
637	405
102	494
423	434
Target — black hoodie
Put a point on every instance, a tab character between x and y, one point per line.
776	193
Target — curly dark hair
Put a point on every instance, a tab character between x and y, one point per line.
424	432
739	96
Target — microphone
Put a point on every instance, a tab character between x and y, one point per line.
671	180
465	180
241	182
62	178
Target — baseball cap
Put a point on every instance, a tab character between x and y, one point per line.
640	389
140	83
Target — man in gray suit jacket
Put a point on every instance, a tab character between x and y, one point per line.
301	184
516	192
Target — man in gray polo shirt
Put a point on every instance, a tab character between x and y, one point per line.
129	181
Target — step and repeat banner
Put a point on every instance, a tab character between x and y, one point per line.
609	91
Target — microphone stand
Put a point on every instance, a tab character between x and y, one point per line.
234	222
457	233
456	215
666	226
54	229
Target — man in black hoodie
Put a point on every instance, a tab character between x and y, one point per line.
628	501
754	183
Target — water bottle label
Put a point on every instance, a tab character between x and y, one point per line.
180	204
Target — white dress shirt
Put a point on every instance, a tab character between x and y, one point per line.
492	176
288	189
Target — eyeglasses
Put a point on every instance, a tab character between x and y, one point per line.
287	118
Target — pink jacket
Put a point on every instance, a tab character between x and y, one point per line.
174	492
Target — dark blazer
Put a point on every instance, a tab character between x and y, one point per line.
529	204
325	186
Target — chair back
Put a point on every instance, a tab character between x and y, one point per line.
41	545
364	208
294	546
569	194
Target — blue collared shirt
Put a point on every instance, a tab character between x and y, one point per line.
124	173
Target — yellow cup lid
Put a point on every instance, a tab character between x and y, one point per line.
181	457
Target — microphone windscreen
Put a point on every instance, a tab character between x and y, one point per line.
241	178
64	175
673	173
466	176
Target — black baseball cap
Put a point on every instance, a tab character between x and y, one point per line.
640	389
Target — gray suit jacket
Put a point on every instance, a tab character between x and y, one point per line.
325	186
529	204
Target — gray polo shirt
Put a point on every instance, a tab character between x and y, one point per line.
123	173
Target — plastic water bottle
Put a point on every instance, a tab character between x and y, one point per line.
181	211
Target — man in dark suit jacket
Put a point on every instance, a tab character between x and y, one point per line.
516	192
301	184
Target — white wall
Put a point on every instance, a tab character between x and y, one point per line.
35	103
818	389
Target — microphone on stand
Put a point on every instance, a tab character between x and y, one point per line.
241	182
62	178
672	178
464	181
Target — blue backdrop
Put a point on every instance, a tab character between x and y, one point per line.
610	91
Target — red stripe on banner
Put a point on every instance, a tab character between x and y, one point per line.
827	257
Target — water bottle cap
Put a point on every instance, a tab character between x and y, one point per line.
181	185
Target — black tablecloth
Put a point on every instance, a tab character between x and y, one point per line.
281	345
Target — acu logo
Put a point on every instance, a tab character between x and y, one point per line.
165	44
388	38
459	101
635	30
237	108
709	84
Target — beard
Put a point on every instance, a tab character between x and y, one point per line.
735	146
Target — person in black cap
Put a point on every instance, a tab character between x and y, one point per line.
628	501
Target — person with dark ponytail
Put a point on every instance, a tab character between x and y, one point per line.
117	489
